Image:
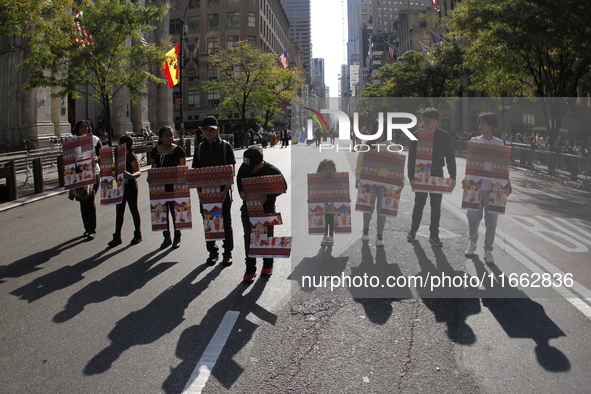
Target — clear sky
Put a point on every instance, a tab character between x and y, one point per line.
329	38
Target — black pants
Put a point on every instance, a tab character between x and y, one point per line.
130	198
228	245
251	262
88	210
329	224
417	212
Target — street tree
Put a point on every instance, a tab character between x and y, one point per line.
523	47
282	86
249	80
96	52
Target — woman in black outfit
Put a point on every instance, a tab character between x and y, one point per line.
168	154
130	193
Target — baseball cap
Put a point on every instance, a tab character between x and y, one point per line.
253	156
209	122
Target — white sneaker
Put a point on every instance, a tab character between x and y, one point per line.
324	240
330	241
488	257
365	235
379	241
470	251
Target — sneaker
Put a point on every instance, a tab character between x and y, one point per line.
435	241
365	235
267	271
212	259
249	277
379	241
488	257
330	241
324	240
470	251
411	236
227	260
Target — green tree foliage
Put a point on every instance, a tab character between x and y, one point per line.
536	48
250	81
111	60
420	74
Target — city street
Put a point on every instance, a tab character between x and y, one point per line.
78	317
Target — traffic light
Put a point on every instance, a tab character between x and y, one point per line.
289	113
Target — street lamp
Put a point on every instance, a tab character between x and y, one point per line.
184	30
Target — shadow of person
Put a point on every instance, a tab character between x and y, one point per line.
31	263
444	294
120	283
372	285
158	318
62	278
195	339
311	272
522	317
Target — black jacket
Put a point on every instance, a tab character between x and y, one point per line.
443	154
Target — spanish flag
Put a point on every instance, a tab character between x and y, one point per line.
171	66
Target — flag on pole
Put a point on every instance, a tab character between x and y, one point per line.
85	38
390	50
143	42
424	48
171	66
283	59
435	6
436	38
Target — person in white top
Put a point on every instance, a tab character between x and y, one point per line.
486	123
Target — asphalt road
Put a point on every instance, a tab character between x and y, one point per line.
77	317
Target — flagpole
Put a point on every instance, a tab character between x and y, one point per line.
436	35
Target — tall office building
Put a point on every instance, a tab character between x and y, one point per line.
300	20
318	77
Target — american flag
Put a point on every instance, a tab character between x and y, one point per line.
283	59
390	50
86	38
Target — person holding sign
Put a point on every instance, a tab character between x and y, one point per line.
442	155
486	123
214	151
168	154
130	194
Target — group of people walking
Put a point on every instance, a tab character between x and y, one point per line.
212	151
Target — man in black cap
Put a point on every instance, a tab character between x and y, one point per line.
213	151
253	165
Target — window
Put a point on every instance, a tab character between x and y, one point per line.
213	3
193	24
175	26
233	2
213	74
213	21
233	19
194	4
232	41
252	1
252	40
213	44
193	98
252	19
213	97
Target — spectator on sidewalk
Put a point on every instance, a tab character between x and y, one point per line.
214	151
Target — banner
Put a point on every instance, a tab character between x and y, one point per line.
329	195
423	181
79	162
261	245
171	66
486	163
168	187
380	169
112	184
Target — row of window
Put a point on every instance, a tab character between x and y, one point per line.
213	22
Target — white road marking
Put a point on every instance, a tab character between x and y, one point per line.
578	295
210	355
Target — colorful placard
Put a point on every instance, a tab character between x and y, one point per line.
329	194
79	162
112	184
486	163
168	186
423	181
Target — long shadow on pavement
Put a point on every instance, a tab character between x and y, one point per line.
375	295
61	278
522	317
450	304
31	263
309	273
195	339
158	318
120	283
